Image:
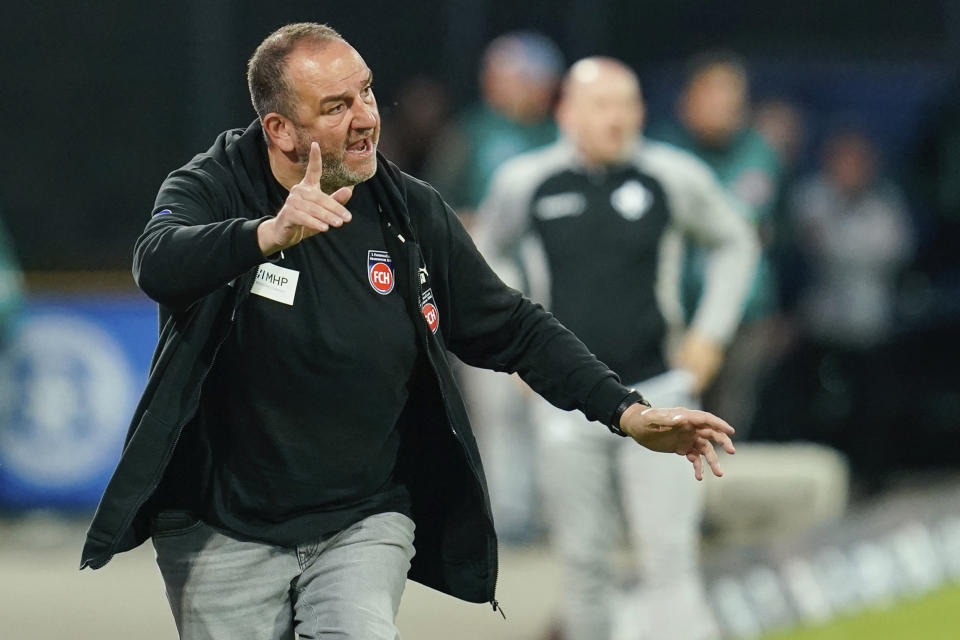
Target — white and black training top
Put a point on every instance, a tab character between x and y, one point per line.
602	248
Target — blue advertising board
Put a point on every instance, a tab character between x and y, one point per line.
69	382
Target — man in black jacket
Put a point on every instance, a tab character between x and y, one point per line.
300	415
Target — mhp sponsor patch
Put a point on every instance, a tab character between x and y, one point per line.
380	271
429	310
276	283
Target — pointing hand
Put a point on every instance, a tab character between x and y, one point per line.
307	210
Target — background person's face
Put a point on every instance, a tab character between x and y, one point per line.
850	162
603	114
337	109
508	88
714	104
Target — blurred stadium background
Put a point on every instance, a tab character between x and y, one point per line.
103	99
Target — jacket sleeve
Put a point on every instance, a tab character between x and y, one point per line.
191	246
495	327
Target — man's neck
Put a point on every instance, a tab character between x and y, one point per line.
601	163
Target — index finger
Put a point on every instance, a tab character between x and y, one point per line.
314	166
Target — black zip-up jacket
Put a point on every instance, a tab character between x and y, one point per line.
197	258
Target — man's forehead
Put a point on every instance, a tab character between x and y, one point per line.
596	75
326	68
606	84
719	75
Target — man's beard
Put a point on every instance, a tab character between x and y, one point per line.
336	174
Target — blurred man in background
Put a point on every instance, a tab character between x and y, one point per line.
609	212
783	124
519	75
853	231
11	303
712	123
11	288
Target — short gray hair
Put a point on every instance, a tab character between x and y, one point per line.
270	90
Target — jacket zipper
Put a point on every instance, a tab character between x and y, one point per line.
415	275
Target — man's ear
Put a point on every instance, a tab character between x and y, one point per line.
280	130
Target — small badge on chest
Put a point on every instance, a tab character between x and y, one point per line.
380	271
429	309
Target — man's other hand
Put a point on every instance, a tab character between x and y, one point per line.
701	356
686	432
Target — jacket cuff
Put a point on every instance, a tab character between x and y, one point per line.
250	252
604	399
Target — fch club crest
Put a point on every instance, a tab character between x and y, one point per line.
380	271
429	310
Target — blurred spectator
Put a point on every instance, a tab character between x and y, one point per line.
852	228
11	299
712	123
783	125
519	75
413	122
854	231
11	287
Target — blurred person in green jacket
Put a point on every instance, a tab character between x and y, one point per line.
11	287
519	77
713	124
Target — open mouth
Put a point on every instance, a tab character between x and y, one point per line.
361	147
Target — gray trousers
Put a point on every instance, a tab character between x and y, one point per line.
594	483
345	586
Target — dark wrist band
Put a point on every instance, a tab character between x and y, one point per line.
631	399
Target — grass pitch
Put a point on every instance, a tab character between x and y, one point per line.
935	616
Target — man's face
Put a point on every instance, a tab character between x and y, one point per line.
335	106
602	111
714	105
